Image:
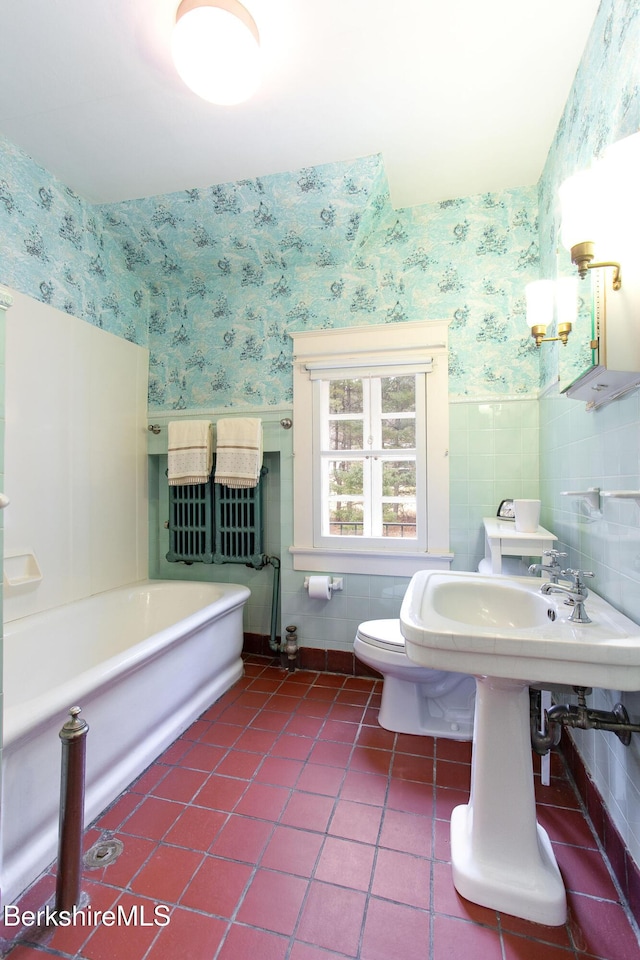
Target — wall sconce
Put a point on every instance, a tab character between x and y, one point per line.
591	203
545	295
583	207
216	50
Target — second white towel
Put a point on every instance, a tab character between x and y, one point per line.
238	451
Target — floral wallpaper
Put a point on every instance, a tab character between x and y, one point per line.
213	280
603	107
57	248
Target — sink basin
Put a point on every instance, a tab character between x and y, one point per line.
504	627
486	602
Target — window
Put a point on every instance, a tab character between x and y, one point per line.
370	444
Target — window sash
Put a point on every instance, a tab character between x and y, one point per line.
372	456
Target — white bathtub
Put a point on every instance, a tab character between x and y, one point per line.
142	661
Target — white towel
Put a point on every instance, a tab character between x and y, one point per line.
238	451
190	451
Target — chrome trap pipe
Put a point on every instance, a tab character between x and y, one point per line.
73	736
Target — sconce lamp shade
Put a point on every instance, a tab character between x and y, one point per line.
539	296
566	300
581	206
216	51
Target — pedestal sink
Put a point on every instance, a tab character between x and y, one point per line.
506	633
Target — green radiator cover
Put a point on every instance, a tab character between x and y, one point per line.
211	523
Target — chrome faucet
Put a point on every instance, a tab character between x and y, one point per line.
553	569
576	593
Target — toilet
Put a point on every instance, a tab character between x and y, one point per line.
415	699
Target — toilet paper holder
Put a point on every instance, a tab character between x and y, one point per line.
335	583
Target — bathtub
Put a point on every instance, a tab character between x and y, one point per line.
142	661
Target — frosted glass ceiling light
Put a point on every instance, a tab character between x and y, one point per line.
216	50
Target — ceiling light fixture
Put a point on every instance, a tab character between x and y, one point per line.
216	50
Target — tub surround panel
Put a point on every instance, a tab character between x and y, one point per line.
75	449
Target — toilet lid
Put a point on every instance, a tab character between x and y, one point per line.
382	633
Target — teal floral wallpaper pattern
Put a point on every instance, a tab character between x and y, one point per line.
603	107
57	248
213	280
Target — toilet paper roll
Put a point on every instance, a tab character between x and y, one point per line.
320	588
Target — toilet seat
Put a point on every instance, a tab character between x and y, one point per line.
384	634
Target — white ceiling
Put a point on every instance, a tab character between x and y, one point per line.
459	96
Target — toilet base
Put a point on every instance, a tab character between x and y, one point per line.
406	708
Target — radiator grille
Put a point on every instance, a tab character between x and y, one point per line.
211	523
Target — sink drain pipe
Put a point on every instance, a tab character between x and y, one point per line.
73	736
546	735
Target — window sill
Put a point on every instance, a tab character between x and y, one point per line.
374	562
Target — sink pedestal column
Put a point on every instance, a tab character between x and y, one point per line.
501	856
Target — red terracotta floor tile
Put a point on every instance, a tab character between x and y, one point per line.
221	793
301	725
279	771
395	932
406	767
339	731
410	796
238	763
403	878
256	741
308	811
217	887
330	753
166	873
242	838
221	734
128	940
517	948
196	828
292	851
346	863
292	747
371	760
356	821
269	720
376	737
305	951
180	784
600	929
203	756
246	942
407	832
584	871
459	940
364	787
152	818
316	778
188	936
273	902
332	918
263	800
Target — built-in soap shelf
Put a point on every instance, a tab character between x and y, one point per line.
20	569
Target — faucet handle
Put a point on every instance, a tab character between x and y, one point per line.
554	554
578	576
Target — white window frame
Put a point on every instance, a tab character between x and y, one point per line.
383	350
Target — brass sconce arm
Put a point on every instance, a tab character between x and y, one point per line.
539	330
582	255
